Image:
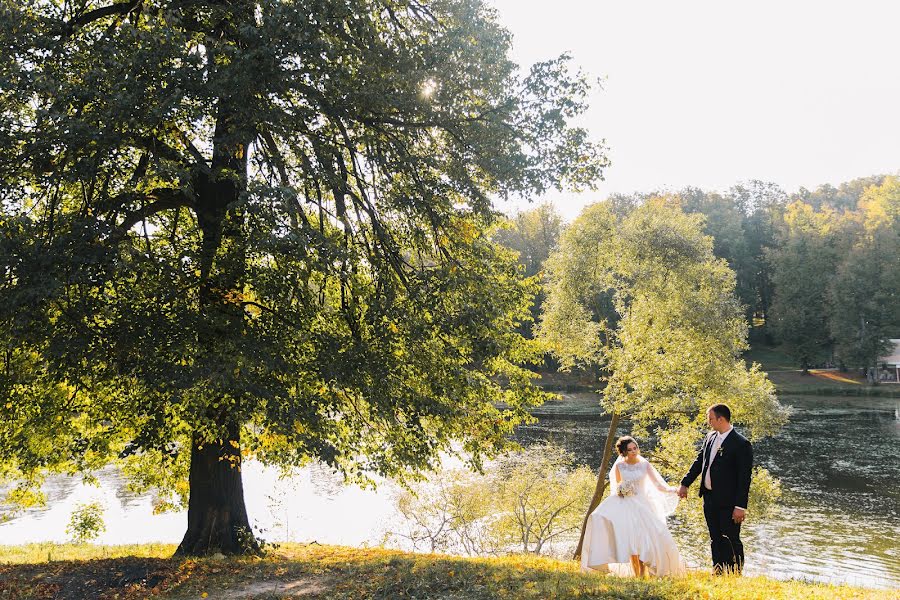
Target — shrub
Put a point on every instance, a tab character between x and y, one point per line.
86	522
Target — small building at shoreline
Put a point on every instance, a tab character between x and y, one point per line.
889	366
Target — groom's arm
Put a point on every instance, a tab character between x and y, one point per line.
744	471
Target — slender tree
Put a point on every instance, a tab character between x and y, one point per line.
762	205
803	265
256	228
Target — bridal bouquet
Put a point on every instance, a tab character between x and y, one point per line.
626	488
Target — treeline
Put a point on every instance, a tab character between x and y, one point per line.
818	272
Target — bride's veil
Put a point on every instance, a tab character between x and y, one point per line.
662	503
613	484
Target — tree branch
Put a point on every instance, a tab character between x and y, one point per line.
159	148
276	155
162	199
119	8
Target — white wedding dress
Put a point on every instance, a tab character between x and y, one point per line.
621	527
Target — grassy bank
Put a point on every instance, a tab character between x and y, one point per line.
334	572
783	372
823	383
790	380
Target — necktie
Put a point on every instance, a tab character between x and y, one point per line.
716	444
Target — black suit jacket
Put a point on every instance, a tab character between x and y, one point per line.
729	474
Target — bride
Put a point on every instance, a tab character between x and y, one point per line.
629	527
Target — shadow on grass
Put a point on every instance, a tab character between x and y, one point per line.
340	573
77	580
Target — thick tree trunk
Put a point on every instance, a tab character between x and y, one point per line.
217	516
601	481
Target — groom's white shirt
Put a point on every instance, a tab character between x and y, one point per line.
717	443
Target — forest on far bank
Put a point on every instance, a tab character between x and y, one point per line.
818	272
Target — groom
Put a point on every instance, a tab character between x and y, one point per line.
724	466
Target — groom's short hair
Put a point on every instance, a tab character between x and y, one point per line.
721	410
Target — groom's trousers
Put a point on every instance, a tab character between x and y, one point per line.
724	536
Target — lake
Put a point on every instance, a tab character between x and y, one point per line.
839	520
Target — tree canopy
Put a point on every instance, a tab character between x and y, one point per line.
671	332
259	228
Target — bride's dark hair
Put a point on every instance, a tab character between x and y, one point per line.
622	444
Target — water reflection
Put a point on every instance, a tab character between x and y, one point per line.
838	460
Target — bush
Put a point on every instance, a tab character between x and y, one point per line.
86	522
529	501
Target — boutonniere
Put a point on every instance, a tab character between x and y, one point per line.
721	451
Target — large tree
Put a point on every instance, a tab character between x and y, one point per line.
670	333
256	228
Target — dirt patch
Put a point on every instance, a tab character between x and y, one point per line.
76	580
287	588
819	378
851	378
132	578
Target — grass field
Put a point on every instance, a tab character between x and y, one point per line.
336	573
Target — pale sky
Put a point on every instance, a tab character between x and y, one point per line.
708	94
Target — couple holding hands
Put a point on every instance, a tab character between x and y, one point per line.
627	533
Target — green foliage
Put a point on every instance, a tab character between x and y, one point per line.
803	266
724	222
533	234
836	277
742	223
86	522
528	501
863	313
785	251
844	197
670	333
268	218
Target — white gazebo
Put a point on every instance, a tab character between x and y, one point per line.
889	366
